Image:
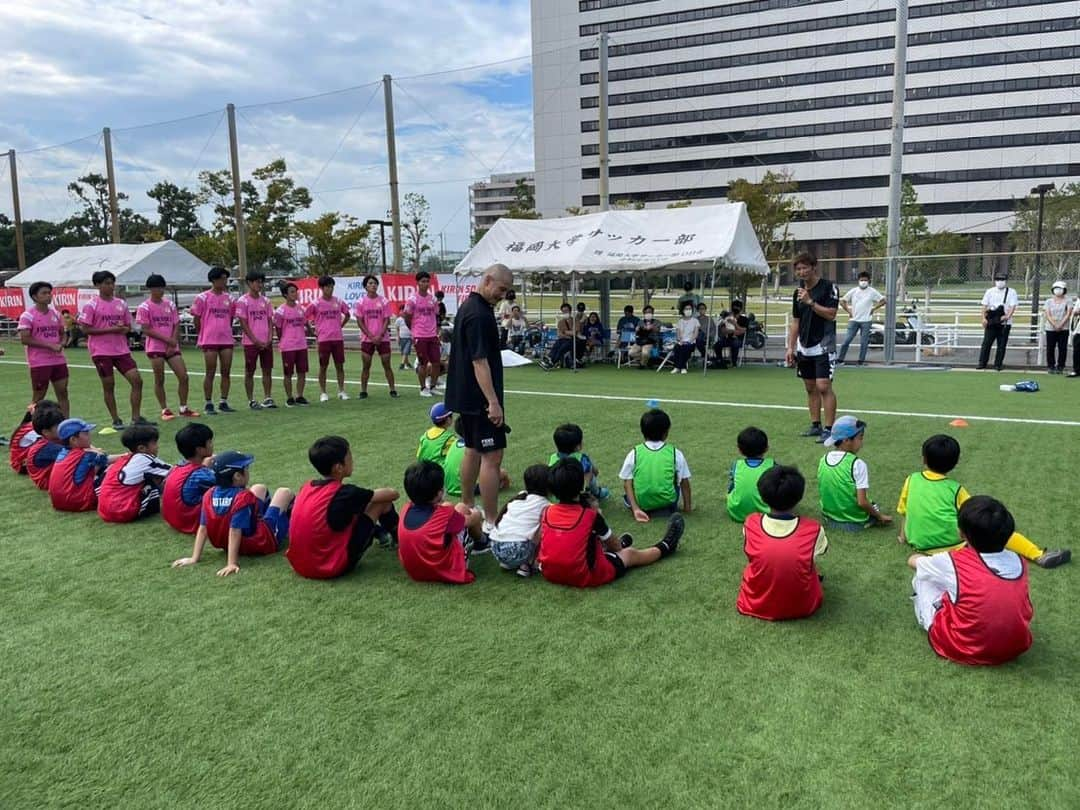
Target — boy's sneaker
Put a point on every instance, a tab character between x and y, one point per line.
142	421
602	493
481	545
342	396
674	371
670	542
812	431
393	393
302	401
118	424
188	413
525	570
426	392
269	403
626	540
324	397
385	539
255	406
438	388
209	409
290	402
362	395
683	371
3	441
823	436
401	367
1052	559
167	415
225	407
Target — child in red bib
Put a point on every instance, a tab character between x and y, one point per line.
974	601
576	546
333	523
780	580
79	471
131	488
25	435
432	533
185	486
240	519
42	452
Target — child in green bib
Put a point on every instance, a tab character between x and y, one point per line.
743	498
569	439
451	464
437	440
844	480
655	473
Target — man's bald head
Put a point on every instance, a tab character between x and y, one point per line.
497	281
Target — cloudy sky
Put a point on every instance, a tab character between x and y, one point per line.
70	67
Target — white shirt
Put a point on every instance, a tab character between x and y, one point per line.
1056	309
141	465
859	471
521	521
862	302
682	471
994	298
936	575
403	330
686	329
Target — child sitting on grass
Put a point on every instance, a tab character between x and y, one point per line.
655	473
24	436
238	518
131	487
844	480
974	601
780	580
743	496
436	441
333	523
576	546
930	500
45	449
569	439
432	532
185	486
517	528
79	469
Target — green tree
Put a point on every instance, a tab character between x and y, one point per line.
416	211
524	204
478	234
1061	232
178	210
772	206
336	244
624	204
92	224
680	204
40	238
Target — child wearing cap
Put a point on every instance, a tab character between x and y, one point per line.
41	331
213	311
330	315
569	439
333	523
131	488
780	580
160	324
238	518
256	316
185	485
290	322
79	469
25	435
844	479
432	533
1058	311
45	449
974	601
655	473
743	496
436	441
930	502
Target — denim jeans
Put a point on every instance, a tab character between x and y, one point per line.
853	328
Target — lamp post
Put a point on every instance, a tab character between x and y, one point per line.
383	225
1042	190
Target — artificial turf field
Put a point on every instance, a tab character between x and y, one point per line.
128	684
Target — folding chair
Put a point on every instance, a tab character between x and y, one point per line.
622	351
667	337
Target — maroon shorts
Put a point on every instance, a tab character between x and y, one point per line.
295	360
369	348
334	349
218	347
264	357
163	355
427	350
105	364
41	376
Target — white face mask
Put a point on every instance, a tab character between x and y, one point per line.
864	284
1000	284
648	317
687	313
1060	293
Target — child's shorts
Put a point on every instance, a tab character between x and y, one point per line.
278	522
405	345
660	511
845	526
511	554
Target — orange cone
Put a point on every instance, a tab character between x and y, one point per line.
958	423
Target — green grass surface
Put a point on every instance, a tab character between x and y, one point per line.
128	684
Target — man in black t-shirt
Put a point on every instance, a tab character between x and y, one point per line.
811	342
474	389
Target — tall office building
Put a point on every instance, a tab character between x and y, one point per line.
492	198
702	93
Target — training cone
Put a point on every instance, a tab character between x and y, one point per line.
958	423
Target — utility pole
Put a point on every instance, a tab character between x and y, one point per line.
391	158
20	246
602	112
896	179
114	205
1042	191
238	206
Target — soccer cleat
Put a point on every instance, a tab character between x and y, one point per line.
1052	559
302	401
324	397
209	409
190	414
812	431
393	393
269	403
167	415
670	542
142	421
255	406
626	540
426	392
342	396
290	402
362	395
225	407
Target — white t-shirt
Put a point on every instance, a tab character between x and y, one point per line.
1056	309
403	330
521	521
682	471
936	575
859	471
862	302
686	329
994	298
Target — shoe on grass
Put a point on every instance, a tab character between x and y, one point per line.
142	421
362	395
393	393
225	407
812	431
254	405
324	397
342	396
188	413
670	541
426	392
269	403
290	402
823	436
1053	558
209	409
167	415
302	401
118	424
626	540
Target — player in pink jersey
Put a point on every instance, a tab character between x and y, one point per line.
421	314
41	330
256	316
160	323
330	315
213	311
106	321
373	313
290	321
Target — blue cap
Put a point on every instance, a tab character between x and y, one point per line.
73	427
846	427
231	461
439	412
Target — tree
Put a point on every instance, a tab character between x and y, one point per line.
577	211
40	238
178	210
1061	232
414	223
624	204
93	223
336	244
478	234
680	204
772	206
524	204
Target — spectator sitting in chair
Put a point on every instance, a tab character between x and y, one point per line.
567	339
647	336
594	333
626	329
707	333
517	330
732	332
686	334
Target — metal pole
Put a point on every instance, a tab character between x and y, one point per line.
382	239
896	178
238	208
20	247
391	159
605	282
114	206
1038	266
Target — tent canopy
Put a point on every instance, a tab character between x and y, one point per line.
131	264
674	239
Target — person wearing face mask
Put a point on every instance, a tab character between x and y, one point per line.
860	303
998	305
686	332
1074	332
647	336
1058	311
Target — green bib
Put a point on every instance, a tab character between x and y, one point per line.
744	499
433	444
931	513
655	477
451	464
836	486
555	458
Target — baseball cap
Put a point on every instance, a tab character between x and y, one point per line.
439	412
73	427
846	427
231	461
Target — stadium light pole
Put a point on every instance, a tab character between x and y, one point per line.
602	114
238	201
1042	190
110	175
16	209
391	159
896	179
383	224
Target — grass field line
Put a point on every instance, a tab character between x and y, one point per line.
705	402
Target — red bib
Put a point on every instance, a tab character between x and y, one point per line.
315	550
425	554
65	494
566	535
178	514
17	454
780	580
118	502
39	475
217	526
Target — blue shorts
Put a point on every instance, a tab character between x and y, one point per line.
844	526
278	522
512	554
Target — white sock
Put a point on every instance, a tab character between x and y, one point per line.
183	406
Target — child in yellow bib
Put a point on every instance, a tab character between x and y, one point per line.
844	480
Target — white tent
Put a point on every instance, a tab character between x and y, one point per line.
131	264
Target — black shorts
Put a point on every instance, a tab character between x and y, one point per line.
359	542
818	367
480	435
617	561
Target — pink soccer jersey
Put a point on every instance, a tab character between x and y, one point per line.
291	321
215	312
162	317
374	313
101	314
327	316
425	315
47	327
258	313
